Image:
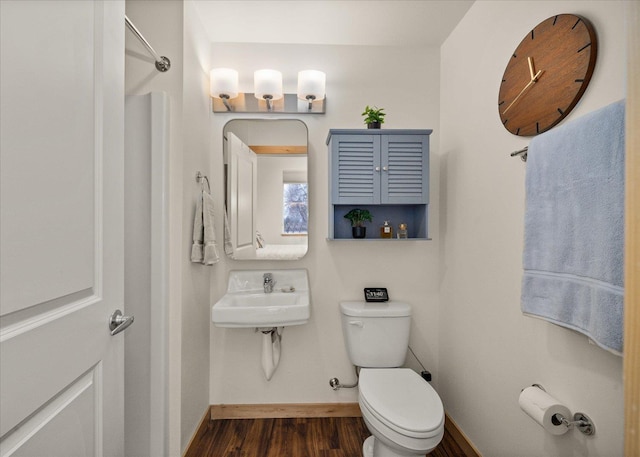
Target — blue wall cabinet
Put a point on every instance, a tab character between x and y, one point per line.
384	171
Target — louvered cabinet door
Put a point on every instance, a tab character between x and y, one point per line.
355	169
405	169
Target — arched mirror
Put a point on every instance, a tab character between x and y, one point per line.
265	163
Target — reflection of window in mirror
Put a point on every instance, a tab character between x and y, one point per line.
294	214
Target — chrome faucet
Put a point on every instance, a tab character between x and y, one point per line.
268	283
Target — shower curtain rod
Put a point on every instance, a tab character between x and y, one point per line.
162	63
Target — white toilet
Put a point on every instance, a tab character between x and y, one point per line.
402	411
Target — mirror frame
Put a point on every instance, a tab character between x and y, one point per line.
250	246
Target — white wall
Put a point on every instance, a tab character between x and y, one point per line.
141	77
488	351
195	277
174	30
405	81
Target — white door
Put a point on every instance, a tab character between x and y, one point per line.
61	227
243	197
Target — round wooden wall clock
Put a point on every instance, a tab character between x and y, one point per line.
547	74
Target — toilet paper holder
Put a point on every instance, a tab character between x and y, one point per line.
580	420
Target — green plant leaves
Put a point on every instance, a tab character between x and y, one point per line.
373	114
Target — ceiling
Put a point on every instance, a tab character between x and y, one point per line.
332	22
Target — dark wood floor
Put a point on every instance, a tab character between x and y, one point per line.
294	437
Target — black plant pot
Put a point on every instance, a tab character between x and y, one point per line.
359	232
374	125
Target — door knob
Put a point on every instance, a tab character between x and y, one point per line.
118	322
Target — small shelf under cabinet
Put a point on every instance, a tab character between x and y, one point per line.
412	215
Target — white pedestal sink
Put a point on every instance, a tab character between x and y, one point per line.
246	304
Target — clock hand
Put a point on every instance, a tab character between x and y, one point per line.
530	60
531	83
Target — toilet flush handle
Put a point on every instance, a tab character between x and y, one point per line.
357	323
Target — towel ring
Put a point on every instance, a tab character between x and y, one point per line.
201	179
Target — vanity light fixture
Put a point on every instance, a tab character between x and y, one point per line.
311	86
268	96
223	85
268	86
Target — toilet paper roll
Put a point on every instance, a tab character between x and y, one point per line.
541	407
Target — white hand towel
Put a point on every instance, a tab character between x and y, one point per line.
197	249
210	245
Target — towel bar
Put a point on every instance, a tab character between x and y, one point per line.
522	153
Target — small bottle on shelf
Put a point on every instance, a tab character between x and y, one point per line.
386	231
402	231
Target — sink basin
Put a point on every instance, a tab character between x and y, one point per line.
247	305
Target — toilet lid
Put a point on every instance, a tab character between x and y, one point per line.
368	309
402	400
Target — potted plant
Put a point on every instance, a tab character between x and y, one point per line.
373	117
358	217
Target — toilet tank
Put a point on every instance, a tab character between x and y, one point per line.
376	334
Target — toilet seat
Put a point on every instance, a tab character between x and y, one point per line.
400	399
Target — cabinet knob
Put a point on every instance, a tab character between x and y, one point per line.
385	168
377	168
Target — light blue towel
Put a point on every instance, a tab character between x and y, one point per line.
574	226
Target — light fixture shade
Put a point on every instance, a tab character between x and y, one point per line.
223	81
268	83
311	85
